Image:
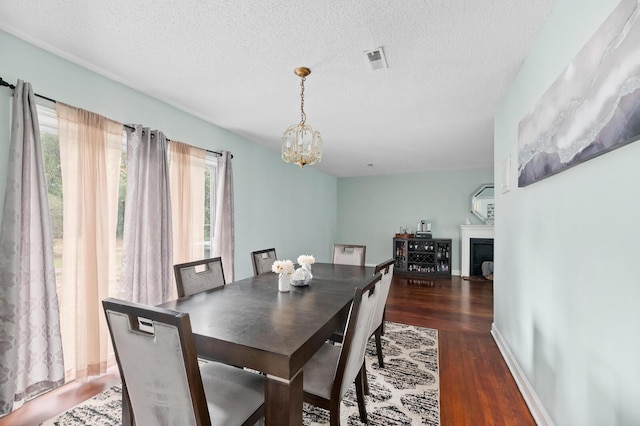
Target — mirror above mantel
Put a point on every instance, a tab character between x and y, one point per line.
482	203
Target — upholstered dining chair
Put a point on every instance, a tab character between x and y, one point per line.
349	254
377	325
162	381
329	373
197	276
262	260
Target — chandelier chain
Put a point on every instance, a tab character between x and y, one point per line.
303	116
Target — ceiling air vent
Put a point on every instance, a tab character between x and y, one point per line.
376	59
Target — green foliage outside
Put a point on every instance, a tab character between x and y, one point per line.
53	174
207	205
51	154
122	191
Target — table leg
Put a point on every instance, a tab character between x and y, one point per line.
283	401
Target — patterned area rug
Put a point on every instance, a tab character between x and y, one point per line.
405	392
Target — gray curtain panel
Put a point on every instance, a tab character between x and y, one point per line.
147	246
30	343
223	236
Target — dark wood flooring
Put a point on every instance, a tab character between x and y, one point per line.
476	387
60	400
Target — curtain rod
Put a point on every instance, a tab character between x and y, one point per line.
128	126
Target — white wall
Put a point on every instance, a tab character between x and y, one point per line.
267	213
566	289
372	209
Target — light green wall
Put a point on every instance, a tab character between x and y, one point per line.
268	212
372	209
567	294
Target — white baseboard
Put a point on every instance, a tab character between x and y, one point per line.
530	398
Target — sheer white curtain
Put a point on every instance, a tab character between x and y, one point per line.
147	244
30	344
90	157
187	176
223	237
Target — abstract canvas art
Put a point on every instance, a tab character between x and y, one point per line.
593	107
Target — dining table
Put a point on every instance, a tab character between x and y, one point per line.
249	323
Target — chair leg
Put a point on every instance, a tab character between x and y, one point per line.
365	379
334	413
360	397
379	347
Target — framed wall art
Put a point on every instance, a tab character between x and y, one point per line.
593	107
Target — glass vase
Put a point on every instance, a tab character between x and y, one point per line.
284	282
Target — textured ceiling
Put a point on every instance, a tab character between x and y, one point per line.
231	63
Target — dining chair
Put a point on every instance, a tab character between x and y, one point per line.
377	325
197	276
329	373
349	254
162	381
262	260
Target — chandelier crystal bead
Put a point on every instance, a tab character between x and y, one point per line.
301	144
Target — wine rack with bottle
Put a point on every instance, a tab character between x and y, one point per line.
422	256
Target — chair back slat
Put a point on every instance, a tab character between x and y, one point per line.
386	268
262	260
356	336
201	275
349	254
158	365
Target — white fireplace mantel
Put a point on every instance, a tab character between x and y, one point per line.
467	232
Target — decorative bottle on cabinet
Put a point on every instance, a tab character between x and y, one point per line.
400	254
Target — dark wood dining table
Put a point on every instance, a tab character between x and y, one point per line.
249	323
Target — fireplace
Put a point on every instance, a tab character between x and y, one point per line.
467	232
481	251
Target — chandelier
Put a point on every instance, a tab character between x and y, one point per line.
300	143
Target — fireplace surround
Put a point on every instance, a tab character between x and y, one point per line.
467	232
481	250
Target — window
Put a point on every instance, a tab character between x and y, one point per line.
211	169
51	152
48	122
52	163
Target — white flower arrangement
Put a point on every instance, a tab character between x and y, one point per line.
282	267
306	259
